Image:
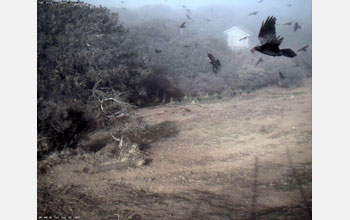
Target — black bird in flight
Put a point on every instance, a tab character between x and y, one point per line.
254	13
157	51
289	23
270	42
281	75
182	25
303	48
243	38
214	62
296	26
259	61
289	5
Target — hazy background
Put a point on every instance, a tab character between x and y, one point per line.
224	13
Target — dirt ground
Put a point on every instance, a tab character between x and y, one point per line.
243	157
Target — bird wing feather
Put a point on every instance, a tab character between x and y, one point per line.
211	57
275	40
268	31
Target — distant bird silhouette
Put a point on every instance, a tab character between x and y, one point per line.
296	26
270	42
157	51
303	48
259	61
188	16
289	5
243	38
187	46
182	25
254	13
281	75
214	62
288	23
260	1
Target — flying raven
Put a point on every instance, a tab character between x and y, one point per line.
215	62
254	13
182	25
243	38
288	23
259	61
270	42
281	75
296	26
303	48
157	51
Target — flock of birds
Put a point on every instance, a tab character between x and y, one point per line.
269	41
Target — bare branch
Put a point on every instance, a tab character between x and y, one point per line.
116	139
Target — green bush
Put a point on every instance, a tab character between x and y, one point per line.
87	74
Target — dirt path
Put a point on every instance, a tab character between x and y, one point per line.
245	157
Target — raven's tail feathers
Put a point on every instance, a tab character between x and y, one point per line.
288	53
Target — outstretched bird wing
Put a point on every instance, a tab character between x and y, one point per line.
296	26
182	25
218	62
275	40
211	57
254	13
259	61
268	31
303	48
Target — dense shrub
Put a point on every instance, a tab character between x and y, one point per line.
87	74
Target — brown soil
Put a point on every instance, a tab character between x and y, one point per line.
244	157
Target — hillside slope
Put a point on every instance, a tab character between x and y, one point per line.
245	157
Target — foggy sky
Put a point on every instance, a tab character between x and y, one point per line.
299	11
298	8
223	14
